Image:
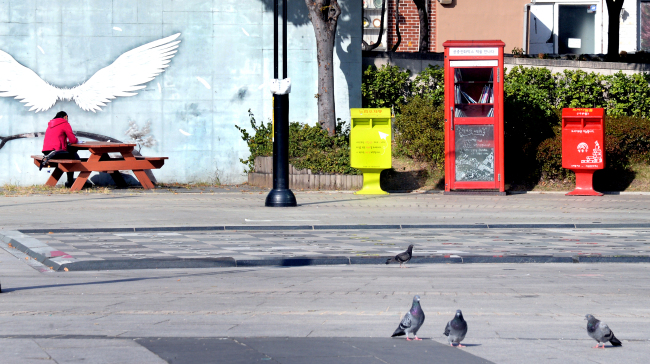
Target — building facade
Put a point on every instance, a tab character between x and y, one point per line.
535	26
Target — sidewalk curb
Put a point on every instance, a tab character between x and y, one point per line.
337	227
36	249
43	253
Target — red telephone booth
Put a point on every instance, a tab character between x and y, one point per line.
474	116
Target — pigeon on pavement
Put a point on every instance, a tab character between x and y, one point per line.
600	332
456	329
412	321
402	257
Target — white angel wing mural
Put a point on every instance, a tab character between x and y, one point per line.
129	73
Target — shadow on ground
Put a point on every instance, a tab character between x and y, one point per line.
306	350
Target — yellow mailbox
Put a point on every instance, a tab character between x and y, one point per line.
370	151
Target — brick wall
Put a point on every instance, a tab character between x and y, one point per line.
409	25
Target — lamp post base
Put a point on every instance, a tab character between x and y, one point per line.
280	198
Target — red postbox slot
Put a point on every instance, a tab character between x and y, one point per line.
583	146
593	123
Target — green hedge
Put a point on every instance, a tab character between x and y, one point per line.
384	87
309	146
419	131
620	94
533	99
627	141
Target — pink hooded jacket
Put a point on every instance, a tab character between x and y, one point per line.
58	134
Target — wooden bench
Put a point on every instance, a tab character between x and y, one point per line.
101	161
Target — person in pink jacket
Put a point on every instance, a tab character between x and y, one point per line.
57	137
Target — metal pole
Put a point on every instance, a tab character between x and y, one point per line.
275	40
284	39
280	195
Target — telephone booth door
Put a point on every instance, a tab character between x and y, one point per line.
474	116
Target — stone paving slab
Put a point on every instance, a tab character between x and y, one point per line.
158	210
203	249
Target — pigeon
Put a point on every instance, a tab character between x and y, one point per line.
456	329
600	332
402	257
412	321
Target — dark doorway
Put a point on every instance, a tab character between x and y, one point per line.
577	29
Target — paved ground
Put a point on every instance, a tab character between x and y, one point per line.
143	209
340	313
93	251
532	311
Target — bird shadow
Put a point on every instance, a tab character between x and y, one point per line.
471	345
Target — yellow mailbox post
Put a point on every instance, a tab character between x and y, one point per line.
370	146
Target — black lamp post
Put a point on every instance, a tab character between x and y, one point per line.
280	195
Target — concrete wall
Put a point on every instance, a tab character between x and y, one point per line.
228	43
628	27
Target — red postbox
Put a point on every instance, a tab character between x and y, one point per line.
583	146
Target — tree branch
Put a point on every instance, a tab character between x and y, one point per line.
367	47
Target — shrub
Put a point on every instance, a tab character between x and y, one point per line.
533	99
628	95
309	146
259	144
626	142
580	89
529	118
632	135
430	84
384	87
419	130
549	158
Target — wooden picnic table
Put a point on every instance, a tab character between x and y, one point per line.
101	161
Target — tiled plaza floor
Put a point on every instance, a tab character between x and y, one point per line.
349	243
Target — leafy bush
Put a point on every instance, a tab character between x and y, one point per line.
627	141
628	95
529	117
384	87
259	144
430	84
309	146
419	130
549	156
580	89
632	135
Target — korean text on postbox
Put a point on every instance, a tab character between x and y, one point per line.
583	138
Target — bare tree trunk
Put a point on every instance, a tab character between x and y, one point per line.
424	25
613	38
324	15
